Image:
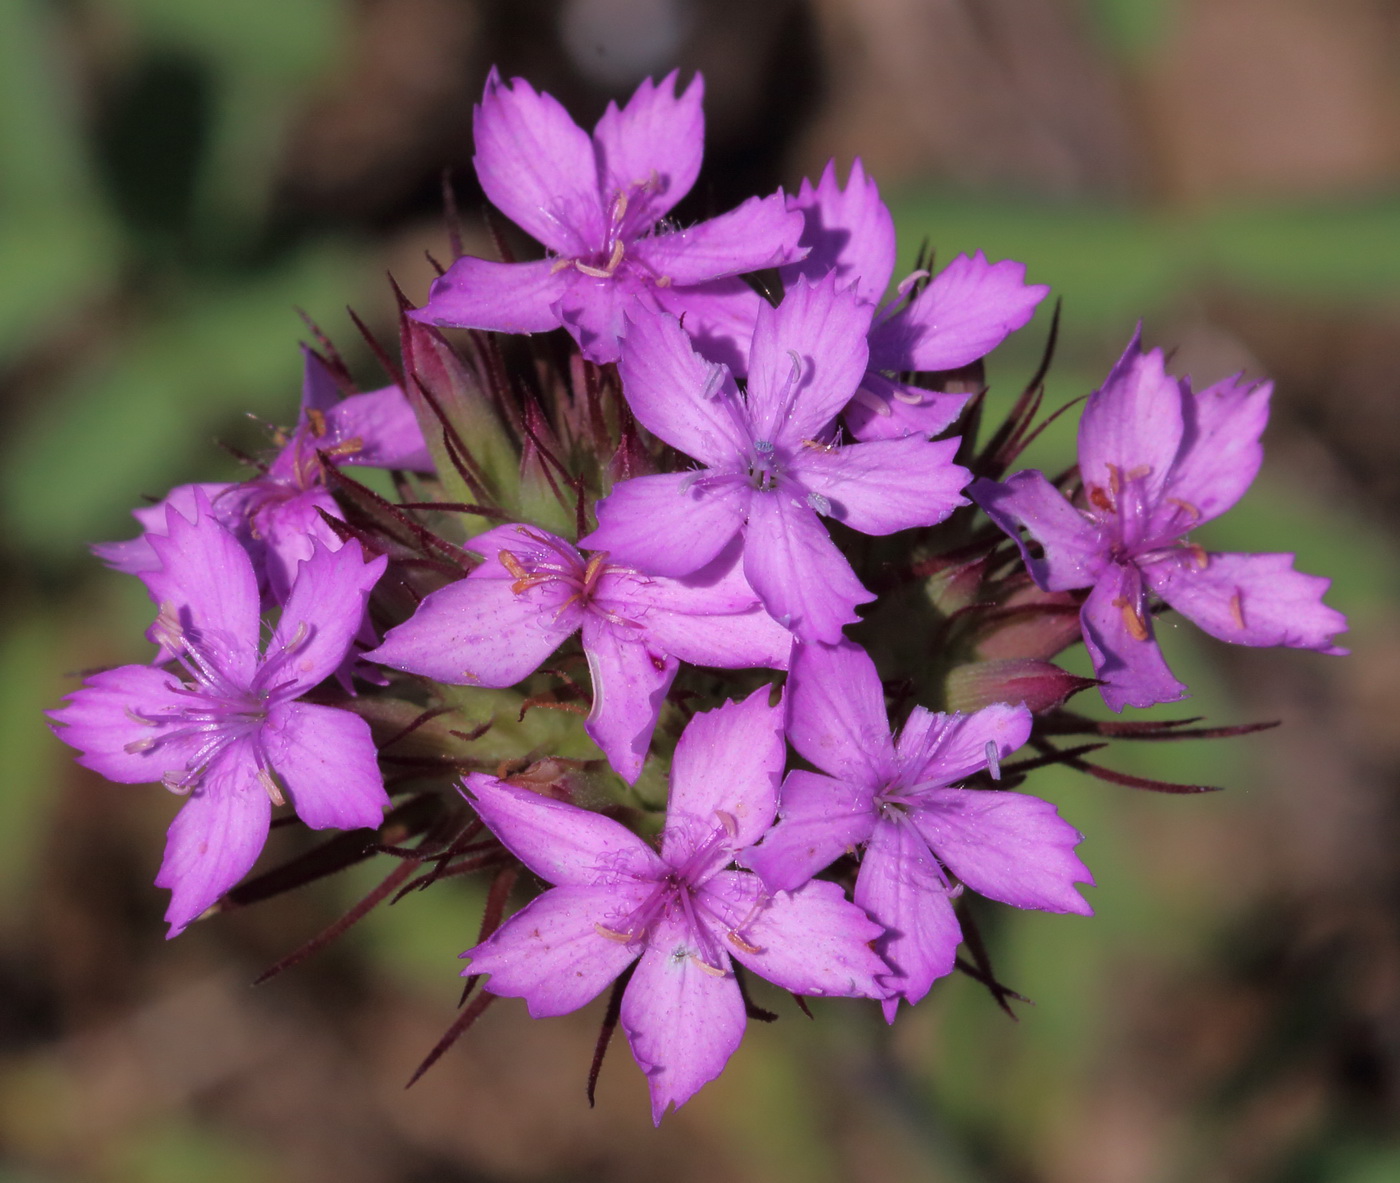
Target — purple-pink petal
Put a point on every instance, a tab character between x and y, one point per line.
1248	599
683	1019
551	953
1118	634
383	424
884	409
114	721
1220	450
885	485
326	757
1071	550
215	838
670	524
725	773
719	317
651	149
759	233
506	297
809	355
903	888
848	231
732	641
675	394
594	310
810	941
538	166
836	713
820	819
206	579
941	749
559	842
964	312
630	680
478	632
1006	846
322	617
804	581
1132	427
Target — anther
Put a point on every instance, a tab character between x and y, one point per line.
274	793
1192	511
726	819
713	970
739	943
819	502
611	934
914	398
1100	499
796	365
871	401
993	759
1237	609
1132	619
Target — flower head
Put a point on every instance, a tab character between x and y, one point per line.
597	204
679	913
1157	460
534	590
772	462
229	735
900	799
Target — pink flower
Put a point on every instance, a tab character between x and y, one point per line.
230	736
1157	460
680	914
597	204
899	798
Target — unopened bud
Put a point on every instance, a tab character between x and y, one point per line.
1038	684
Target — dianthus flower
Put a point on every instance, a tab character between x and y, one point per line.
597	204
772	461
680	914
230	736
534	590
900	800
278	515
961	314
1157	460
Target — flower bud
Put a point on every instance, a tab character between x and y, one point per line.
1038	684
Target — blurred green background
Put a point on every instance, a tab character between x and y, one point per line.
177	177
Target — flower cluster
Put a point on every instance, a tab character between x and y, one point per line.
713	503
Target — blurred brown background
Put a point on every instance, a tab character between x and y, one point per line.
177	175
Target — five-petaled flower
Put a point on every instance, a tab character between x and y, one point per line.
230	736
597	204
1157	460
900	799
534	590
773	463
681	914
